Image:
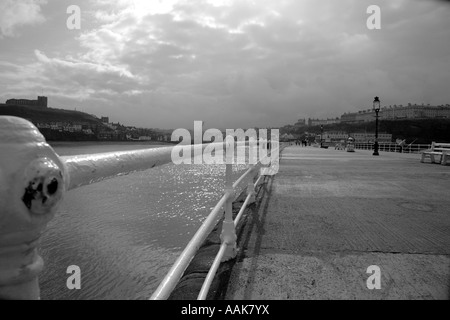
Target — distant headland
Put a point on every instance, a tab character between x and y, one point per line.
70	125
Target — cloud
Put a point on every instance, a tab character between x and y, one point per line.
17	13
88	79
241	62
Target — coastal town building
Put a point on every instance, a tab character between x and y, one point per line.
399	112
367	137
67	127
415	112
300	123
360	137
335	136
94	129
348	117
318	122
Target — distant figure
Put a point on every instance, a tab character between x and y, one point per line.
401	144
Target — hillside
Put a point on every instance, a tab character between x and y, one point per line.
36	114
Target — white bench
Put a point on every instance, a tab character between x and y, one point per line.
442	150
339	146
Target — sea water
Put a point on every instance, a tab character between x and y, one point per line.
125	233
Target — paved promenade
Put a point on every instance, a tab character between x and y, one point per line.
328	215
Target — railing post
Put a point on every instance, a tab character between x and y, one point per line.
228	234
33	181
251	188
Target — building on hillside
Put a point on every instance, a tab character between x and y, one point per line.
399	112
415	112
40	102
300	123
318	122
348	118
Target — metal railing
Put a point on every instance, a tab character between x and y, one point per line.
394	147
228	236
37	178
222	251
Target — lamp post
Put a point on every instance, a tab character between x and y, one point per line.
376	108
321	134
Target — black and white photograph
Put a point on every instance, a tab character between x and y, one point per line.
230	156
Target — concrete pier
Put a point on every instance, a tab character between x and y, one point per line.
328	215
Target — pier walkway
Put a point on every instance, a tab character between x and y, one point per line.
328	215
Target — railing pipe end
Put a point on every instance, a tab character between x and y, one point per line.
33	181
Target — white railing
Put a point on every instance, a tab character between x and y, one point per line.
222	251
394	147
228	236
91	168
34	179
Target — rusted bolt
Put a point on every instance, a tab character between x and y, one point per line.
42	178
52	186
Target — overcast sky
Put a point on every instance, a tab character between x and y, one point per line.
230	63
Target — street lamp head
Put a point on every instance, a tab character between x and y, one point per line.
376	104
376	108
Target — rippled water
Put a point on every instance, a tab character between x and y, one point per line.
125	233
